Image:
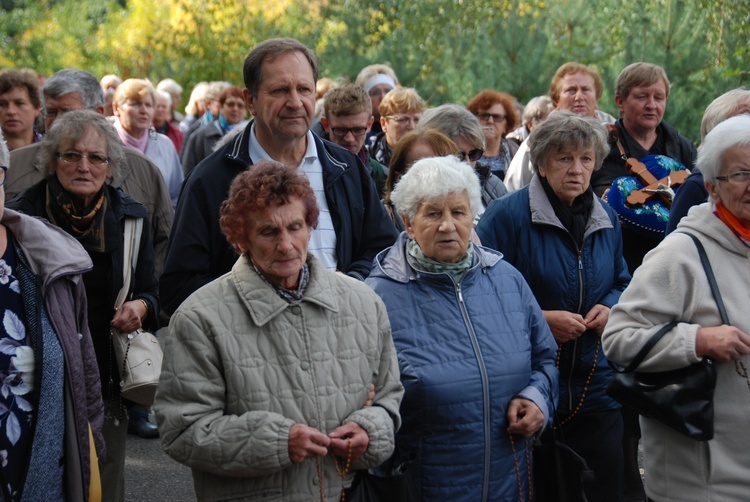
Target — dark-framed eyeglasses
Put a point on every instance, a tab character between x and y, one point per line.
341	132
3	171
470	156
738	178
95	159
55	112
496	117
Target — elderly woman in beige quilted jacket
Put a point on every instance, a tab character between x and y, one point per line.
267	370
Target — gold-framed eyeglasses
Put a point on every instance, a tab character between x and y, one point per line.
95	159
738	178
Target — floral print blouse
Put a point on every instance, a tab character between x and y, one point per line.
17	378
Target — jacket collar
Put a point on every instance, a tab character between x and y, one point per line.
237	150
264	304
542	212
392	261
51	253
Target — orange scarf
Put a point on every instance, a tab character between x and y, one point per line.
732	222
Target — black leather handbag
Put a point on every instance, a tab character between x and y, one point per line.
390	482
682	399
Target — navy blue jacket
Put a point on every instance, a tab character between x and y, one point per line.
464	352
691	193
198	252
524	227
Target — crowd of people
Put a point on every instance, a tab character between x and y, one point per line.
348	281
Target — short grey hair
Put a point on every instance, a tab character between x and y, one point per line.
4	152
453	121
71	80
723	107
72	127
735	131
433	178
564	129
169	85
537	109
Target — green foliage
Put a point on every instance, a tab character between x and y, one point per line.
448	49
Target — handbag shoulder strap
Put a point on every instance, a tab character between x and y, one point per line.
714	291
711	278
647	347
132	241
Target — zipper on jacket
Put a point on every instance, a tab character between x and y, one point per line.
485	390
569	382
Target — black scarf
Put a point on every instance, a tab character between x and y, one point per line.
93	225
575	216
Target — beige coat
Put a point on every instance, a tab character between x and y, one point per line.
241	366
671	285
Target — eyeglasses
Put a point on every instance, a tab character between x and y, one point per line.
54	112
3	170
341	132
404	119
738	178
74	158
496	117
472	155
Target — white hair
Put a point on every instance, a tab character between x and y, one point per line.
723	107
734	131
170	86
432	178
163	95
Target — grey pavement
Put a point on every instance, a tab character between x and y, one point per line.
151	475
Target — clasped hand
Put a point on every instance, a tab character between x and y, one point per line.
566	326
308	442
129	316
524	417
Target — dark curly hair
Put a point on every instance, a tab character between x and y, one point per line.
265	185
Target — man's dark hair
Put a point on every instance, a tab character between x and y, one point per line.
268	50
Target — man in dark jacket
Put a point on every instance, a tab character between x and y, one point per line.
641	93
280	77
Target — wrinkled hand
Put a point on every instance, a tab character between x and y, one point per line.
597	318
340	440
722	343
370	396
524	417
565	325
306	442
129	316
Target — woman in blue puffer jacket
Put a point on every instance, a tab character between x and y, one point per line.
475	353
567	244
